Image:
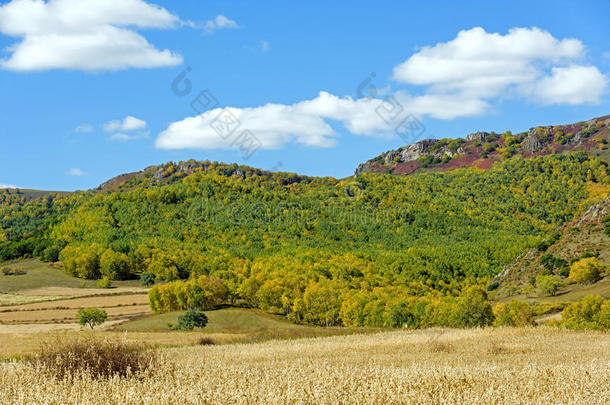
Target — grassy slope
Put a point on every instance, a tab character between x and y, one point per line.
239	325
43	282
38	275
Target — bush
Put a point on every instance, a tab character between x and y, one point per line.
473	308
589	313
586	270
191	320
91	316
7	271
147	279
104	282
516	313
493	286
548	285
99	358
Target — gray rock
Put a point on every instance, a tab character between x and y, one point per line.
532	143
477	136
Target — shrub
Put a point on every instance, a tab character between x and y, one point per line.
516	313
191	320
547	284
7	271
586	270
104	282
589	313
493	286
91	316
473	308
147	279
99	358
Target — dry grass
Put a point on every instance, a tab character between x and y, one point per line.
541	365
97	358
119	307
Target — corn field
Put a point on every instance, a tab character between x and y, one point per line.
504	366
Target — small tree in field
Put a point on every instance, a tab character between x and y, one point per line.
548	285
191	320
91	316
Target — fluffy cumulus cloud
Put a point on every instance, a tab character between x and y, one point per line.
128	129
129	123
308	122
84	34
459	78
526	62
220	22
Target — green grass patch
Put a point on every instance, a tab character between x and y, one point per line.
38	275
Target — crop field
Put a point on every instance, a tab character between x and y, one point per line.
533	365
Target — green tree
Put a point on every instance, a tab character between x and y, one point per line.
192	319
91	316
548	284
473	308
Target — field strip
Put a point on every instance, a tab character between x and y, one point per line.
22	300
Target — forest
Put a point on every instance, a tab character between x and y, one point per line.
318	250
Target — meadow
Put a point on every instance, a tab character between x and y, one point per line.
503	365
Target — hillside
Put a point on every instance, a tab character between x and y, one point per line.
318	250
483	149
587	236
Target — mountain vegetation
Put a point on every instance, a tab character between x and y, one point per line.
373	250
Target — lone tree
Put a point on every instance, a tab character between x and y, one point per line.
91	316
586	270
191	320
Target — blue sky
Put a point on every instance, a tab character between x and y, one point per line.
78	107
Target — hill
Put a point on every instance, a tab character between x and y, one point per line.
317	250
588	236
483	149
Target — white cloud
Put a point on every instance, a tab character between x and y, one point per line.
265	46
83	129
77	172
220	22
308	122
479	66
571	85
84	34
461	78
129	123
2	185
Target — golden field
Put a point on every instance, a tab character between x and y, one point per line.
506	365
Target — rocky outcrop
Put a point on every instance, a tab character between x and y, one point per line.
532	143
477	137
416	150
595	213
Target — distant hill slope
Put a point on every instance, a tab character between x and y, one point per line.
172	172
482	149
587	236
25	195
